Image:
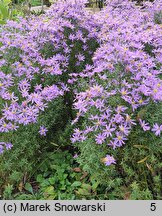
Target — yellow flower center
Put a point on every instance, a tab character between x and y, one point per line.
122	128
98	123
88	95
128	118
140	101
119	137
155	90
104	160
140	64
124	92
158	85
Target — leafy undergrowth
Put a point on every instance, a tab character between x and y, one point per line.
61	178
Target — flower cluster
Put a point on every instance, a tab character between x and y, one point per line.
46	57
125	76
39	60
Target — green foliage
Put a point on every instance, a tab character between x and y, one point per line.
57	177
7	194
7	11
29	146
4	11
35	3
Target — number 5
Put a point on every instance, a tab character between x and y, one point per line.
153	207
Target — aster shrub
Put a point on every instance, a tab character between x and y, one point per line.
121	106
87	83
40	59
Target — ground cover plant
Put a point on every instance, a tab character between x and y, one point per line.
81	103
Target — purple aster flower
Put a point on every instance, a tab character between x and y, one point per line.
80	57
108	130
88	130
113	144
4	127
108	160
145	126
120	109
129	121
1	149
76	135
43	131
75	156
9	146
38	87
124	129
99	124
119	140
100	138
118	118
157	129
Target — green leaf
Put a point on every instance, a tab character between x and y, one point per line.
83	192
3	11
95	185
7	2
39	178
87	187
52	180
49	193
140	146
28	187
52	143
143	160
76	184
50	190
